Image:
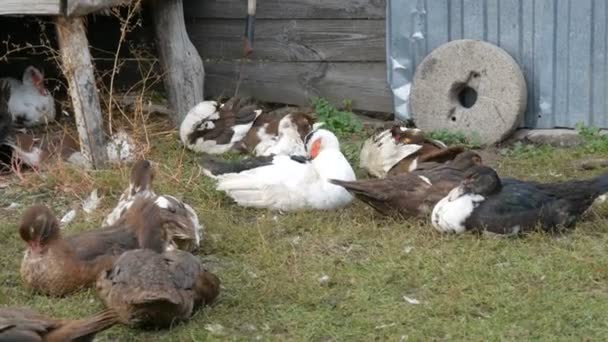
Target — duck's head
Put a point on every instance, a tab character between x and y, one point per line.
303	122
404	135
320	140
480	180
206	287
34	77
38	227
142	175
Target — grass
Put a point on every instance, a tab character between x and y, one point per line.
343	275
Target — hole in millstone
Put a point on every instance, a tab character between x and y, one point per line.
467	96
453	118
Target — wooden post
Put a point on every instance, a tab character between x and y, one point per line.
78	69
183	67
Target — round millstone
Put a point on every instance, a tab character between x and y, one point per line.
471	87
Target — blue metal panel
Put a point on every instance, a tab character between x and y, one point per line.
561	46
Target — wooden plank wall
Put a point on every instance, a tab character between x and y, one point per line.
43	7
302	49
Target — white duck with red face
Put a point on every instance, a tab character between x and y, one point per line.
30	103
291	183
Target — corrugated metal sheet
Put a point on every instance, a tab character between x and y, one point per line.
561	46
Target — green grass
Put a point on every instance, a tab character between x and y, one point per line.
470	287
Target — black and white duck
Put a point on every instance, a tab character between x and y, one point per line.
485	202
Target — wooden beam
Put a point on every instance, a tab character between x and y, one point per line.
300	40
184	74
78	70
296	83
84	7
293	9
38	7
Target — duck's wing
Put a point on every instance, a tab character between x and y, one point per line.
24	325
440	156
283	185
214	166
401	194
519	206
380	153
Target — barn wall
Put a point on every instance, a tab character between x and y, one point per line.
303	48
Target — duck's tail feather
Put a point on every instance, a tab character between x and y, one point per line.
81	329
214	166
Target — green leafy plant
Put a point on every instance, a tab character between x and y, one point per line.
593	140
338	121
456	138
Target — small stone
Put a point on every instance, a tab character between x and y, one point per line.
324	279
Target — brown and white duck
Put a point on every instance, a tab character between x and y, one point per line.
148	289
23	325
415	193
57	266
186	235
399	149
278	136
212	128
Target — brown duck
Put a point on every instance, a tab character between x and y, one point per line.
27	326
148	289
57	266
412	194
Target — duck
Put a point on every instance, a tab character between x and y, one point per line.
148	289
18	324
395	150
212	128
411	194
277	136
289	183
483	202
57	266
186	235
30	104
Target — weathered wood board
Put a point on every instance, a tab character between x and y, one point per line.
184	74
292	40
39	7
292	9
296	83
78	70
84	7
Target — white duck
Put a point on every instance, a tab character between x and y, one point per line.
214	129
142	173
30	103
289	183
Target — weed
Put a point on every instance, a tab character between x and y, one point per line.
340	122
456	138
